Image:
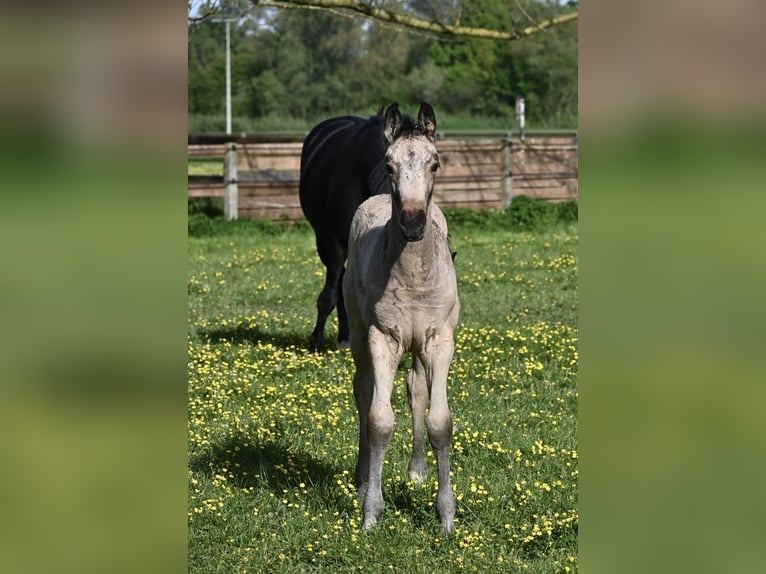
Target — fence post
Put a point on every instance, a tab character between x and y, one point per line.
507	170
230	208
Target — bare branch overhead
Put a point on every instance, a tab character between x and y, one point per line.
384	15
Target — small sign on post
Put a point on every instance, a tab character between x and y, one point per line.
520	114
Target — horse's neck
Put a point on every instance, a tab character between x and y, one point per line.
414	256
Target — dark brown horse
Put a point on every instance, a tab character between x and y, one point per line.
342	164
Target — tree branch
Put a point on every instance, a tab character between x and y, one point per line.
417	23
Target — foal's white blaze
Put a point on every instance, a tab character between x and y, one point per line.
412	162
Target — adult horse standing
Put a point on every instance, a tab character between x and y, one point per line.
401	296
341	166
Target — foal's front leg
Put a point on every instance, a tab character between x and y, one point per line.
380	422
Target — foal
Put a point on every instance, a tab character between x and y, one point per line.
401	296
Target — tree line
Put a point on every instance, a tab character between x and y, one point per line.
292	67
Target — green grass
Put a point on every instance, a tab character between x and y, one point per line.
205	166
272	427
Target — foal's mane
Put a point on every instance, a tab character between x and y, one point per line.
408	127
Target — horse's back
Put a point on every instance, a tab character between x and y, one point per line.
325	134
338	158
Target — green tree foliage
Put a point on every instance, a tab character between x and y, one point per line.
310	64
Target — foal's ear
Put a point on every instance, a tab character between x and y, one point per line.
393	121
427	120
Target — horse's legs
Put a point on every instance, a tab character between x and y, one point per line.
363	395
380	423
343	338
439	424
333	256
417	394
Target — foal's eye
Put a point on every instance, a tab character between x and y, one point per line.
435	166
390	169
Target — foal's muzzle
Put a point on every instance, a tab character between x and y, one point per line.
413	224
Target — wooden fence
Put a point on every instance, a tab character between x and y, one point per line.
478	171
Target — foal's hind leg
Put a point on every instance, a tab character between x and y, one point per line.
333	256
439	425
417	394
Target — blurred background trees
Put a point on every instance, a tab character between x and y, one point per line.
292	67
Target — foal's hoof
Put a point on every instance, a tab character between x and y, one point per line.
445	508
369	524
418	471
417	477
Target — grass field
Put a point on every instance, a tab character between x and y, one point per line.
273	428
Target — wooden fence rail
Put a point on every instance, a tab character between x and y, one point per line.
261	172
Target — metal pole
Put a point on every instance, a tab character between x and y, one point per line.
228	80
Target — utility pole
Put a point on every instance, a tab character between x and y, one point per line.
228	77
229	13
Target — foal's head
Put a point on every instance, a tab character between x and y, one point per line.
411	161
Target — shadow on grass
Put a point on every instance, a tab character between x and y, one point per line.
283	469
254	335
272	464
414	506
